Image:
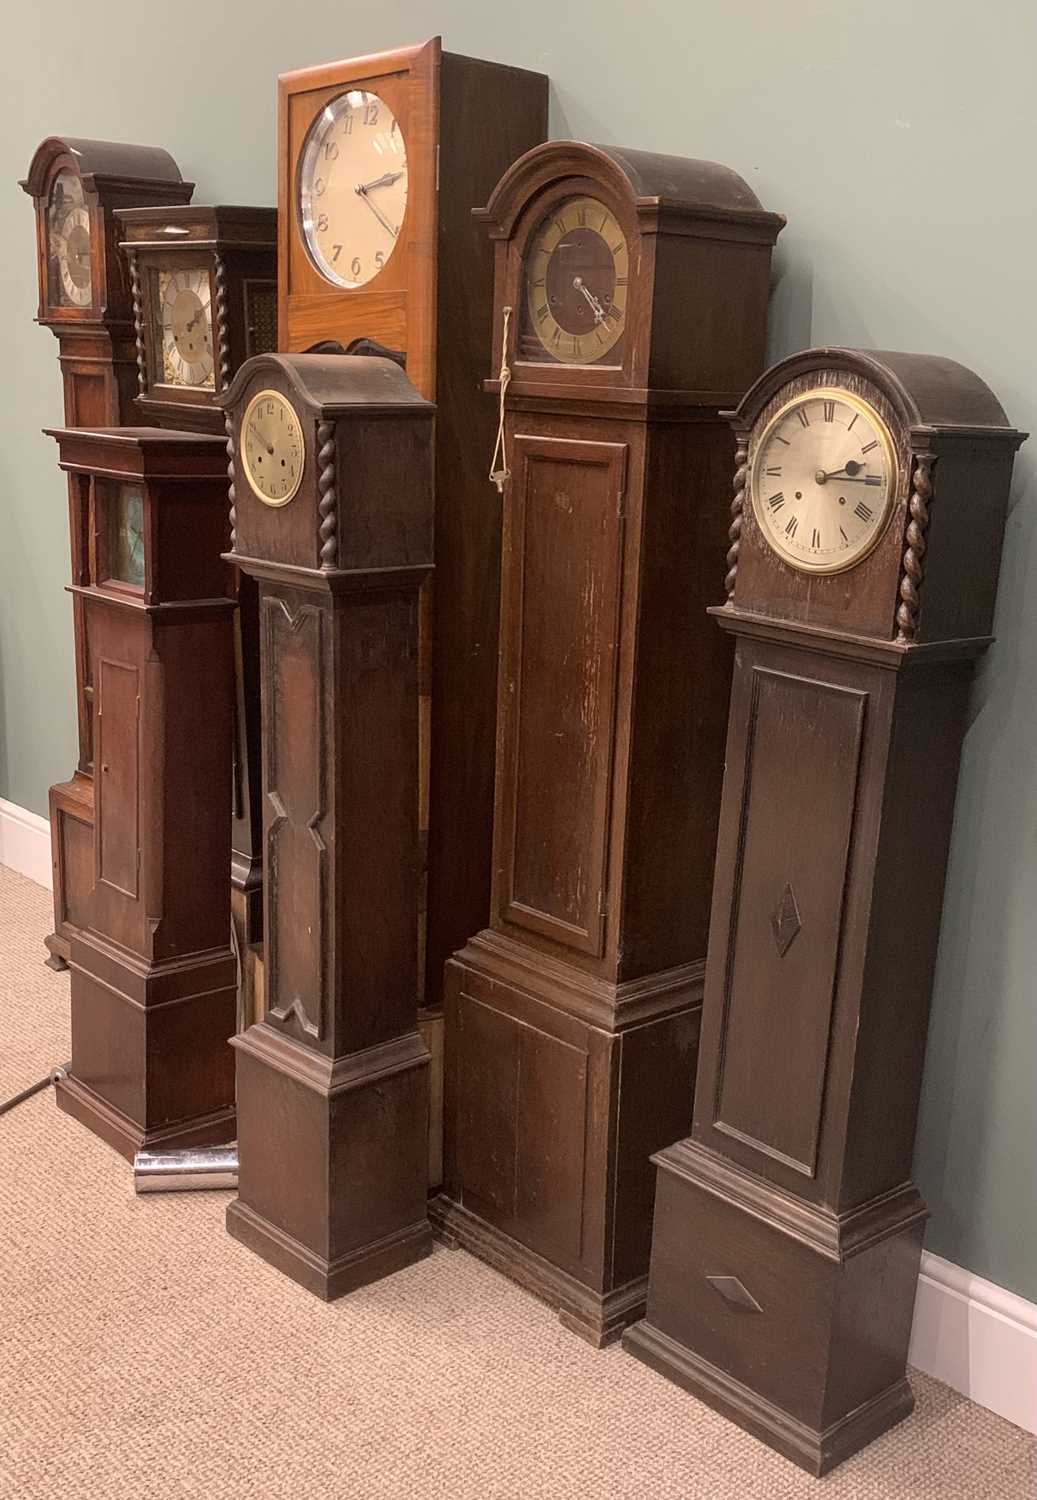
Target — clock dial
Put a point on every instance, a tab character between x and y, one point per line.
353	187
576	279
68	224
126	537
822	480
272	448
185	319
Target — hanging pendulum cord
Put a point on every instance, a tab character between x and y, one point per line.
36	1088
500	476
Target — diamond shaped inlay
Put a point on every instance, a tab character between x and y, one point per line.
734	1293
785	921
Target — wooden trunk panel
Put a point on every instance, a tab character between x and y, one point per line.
560	624
118	781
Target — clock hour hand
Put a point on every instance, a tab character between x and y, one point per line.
361	192
595	306
849	470
386	180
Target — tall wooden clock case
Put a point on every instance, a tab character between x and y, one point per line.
153	972
630	303
331	472
870	499
85	298
381	159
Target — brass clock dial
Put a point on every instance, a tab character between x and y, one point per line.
185	315
272	449
822	480
68	225
576	280
126	537
353	187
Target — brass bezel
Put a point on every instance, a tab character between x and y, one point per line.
271	395
866	410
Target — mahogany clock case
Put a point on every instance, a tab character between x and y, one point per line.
153	973
787	1228
464	121
333	1083
572	1019
97	356
233	252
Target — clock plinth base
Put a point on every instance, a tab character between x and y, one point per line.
790	1319
151	1064
126	1136
598	1318
332	1184
559	1085
72	860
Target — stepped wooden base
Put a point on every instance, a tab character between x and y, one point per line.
72	860
792	1320
128	1137
817	1451
325	1278
559	1086
333	1158
151	1060
597	1317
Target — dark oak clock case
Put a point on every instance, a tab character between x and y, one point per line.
464	121
236	249
787	1228
98	362
153	974
572	1019
332	1084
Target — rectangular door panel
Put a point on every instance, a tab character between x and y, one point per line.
560	625
118	779
799	796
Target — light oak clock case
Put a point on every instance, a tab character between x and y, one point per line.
153	973
787	1228
97	355
572	1018
333	1082
464	121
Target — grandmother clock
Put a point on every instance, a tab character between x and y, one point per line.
630	304
381	159
870	499
204	284
153	973
76	187
331	496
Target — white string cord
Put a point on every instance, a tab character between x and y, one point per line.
500	476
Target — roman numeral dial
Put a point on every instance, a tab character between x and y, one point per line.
577	274
835	460
185	328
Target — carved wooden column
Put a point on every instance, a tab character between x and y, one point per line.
331	468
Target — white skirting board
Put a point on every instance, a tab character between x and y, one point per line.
969	1333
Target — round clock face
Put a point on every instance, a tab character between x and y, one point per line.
353	188
68	222
185	310
272	448
822	480
577	274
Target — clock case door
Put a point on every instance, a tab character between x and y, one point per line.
787	1229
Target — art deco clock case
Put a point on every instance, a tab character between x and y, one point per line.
332	486
153	973
380	161
76	187
637	287
870	500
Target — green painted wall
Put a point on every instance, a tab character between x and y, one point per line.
900	140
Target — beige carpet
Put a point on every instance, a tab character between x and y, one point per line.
145	1354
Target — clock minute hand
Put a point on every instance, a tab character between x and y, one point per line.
386	180
361	193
